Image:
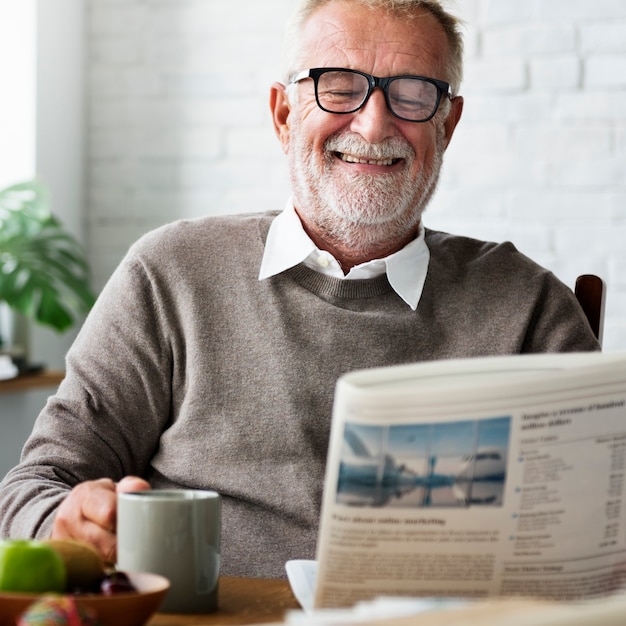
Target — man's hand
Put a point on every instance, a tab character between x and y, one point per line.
89	513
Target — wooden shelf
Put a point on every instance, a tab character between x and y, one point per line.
27	382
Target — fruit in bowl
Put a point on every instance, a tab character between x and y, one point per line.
31	566
84	566
57	566
120	609
115	598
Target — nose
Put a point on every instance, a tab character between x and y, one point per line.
374	122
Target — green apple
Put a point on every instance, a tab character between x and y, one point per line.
30	566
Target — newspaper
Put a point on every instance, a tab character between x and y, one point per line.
477	478
607	611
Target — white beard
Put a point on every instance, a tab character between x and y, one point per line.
361	212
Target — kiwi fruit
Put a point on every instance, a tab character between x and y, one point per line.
84	566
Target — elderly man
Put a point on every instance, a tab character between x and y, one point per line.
210	358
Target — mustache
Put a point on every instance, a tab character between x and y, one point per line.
354	145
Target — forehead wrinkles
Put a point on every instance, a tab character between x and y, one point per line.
324	38
402	47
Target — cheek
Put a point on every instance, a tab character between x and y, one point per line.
316	126
306	142
424	143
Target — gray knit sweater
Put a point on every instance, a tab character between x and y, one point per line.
193	373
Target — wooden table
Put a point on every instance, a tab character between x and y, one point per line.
254	601
26	382
240	601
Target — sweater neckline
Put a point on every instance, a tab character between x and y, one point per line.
337	288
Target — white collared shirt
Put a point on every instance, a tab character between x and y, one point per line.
288	244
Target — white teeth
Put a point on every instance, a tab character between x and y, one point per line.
352	159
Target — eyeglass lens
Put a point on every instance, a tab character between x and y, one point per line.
345	92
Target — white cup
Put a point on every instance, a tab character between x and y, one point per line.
175	533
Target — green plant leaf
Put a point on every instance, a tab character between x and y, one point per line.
43	269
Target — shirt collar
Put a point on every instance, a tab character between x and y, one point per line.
288	244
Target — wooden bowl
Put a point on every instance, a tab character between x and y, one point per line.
123	609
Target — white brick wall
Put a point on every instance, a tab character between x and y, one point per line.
179	125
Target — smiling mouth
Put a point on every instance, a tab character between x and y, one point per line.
349	158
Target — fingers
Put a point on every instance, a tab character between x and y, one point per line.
89	512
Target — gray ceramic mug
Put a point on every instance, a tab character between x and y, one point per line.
175	533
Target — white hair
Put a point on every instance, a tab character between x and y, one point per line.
407	9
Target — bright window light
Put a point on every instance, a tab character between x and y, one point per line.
17	91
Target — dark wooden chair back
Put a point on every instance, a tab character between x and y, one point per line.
591	293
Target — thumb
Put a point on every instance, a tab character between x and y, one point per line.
132	483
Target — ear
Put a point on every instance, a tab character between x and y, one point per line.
280	108
454	115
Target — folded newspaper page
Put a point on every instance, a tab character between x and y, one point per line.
607	611
477	478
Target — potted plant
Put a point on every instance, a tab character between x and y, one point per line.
44	274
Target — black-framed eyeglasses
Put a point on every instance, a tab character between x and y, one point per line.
340	90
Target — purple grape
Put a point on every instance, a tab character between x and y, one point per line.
116	582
